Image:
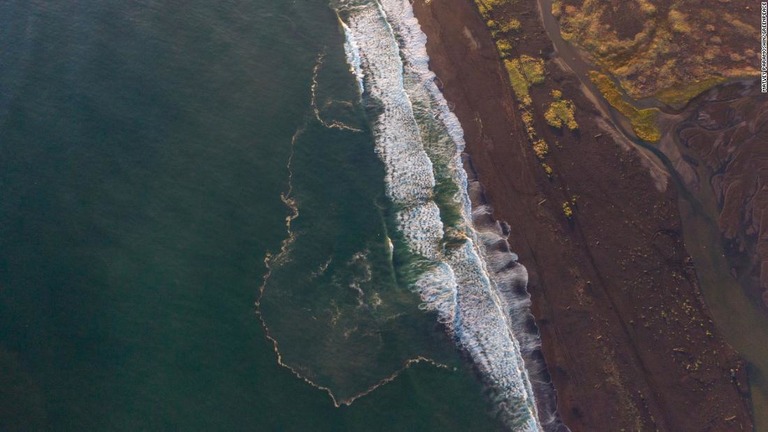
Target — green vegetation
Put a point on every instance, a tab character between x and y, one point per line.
644	124
499	22
568	210
541	149
486	6
524	72
741	27
527	118
569	207
556	7
532	68
507	27
504	47
547	169
677	97
678	21
561	112
510	26
519	83
666	47
647	7
643	121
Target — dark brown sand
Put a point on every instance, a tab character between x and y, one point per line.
626	337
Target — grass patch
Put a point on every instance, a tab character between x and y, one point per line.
560	112
643	121
524	72
677	97
486	6
512	25
518	81
669	44
644	124
567	210
504	47
647	7
556	8
532	68
678	21
541	149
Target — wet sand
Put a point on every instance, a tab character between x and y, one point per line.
626	337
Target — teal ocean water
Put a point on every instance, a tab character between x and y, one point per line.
243	215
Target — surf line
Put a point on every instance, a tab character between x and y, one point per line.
271	260
419	139
334	124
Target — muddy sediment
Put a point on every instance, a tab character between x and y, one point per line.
716	144
725	134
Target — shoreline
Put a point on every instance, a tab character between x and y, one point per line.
625	333
502	262
478	281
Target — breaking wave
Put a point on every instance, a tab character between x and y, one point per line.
472	280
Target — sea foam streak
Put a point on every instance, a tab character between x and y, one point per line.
386	51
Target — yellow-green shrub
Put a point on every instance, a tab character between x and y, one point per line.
643	121
540	148
560	113
510	26
567	210
504	47
523	72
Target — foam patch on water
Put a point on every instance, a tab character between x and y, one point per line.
353	57
316	108
413	129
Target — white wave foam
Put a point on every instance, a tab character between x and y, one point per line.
386	45
353	57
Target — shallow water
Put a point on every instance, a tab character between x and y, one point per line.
739	317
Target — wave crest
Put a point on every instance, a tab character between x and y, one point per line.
474	282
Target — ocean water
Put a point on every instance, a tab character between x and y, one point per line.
244	215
